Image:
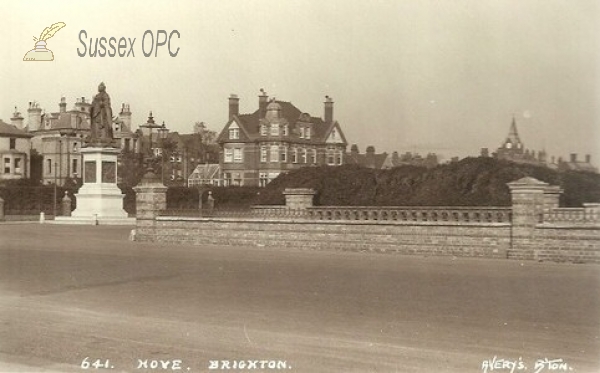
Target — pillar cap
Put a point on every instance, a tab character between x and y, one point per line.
300	191
527	183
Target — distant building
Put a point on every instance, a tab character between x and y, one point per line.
58	137
276	138
371	159
512	149
15	145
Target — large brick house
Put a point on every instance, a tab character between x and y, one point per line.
276	138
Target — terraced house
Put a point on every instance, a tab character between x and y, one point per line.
276	138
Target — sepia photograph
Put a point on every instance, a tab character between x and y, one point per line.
300	186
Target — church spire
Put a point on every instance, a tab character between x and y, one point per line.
513	136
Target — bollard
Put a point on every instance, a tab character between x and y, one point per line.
42	217
210	201
66	205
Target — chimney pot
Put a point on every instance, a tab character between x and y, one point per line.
328	116
573	157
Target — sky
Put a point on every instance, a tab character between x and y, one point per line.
443	76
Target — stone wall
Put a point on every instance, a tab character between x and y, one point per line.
535	228
491	240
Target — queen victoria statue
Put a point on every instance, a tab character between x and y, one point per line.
101	120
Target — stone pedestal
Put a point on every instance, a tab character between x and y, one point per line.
99	200
299	198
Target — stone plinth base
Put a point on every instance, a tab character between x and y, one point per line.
99	200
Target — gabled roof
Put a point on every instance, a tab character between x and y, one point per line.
250	125
369	160
8	130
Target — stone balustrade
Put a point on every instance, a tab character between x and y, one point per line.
413	214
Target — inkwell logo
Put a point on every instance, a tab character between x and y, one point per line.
40	53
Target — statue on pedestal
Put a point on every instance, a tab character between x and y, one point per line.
101	120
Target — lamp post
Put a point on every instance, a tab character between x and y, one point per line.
163	133
150	124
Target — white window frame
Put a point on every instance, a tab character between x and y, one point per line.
307	133
238	155
234	133
263	130
228	155
303	155
263	154
274	129
274	153
283	154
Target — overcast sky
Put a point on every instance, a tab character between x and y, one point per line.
410	75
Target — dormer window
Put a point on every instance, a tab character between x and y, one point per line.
274	129
263	130
508	145
285	130
234	133
301	132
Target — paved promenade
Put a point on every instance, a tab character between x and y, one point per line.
72	295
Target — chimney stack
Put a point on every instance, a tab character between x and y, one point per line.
125	116
328	109
588	158
17	119
63	105
485	152
263	101
234	105
35	116
573	157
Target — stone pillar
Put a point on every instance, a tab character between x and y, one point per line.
66	205
150	199
299	198
528	203
1	209
551	198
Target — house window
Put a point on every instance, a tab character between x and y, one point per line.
307	133
74	166
157	152
313	156
234	133
7	165
274	153
283	154
227	180
303	155
294	155
228	156
285	130
331	153
48	166
75	146
237	155
301	132
338	158
127	144
263	179
17	165
274	129
263	130
13	143
263	154
333	134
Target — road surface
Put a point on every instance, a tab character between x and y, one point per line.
77	295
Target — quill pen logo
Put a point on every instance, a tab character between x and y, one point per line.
40	52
